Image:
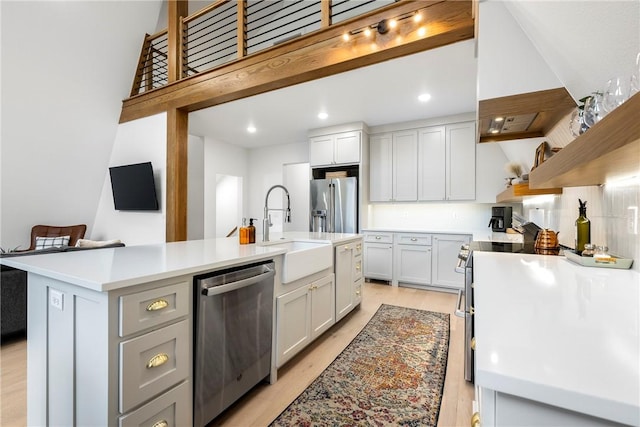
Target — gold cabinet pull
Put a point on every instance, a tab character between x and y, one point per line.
358	266
161	423
358	247
158	304
473	343
475	420
157	360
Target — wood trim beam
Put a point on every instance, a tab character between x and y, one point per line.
321	54
177	10
176	207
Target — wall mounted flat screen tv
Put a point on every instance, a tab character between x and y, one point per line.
134	188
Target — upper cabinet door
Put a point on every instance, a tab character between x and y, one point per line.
405	166
347	148
461	146
431	163
380	168
321	150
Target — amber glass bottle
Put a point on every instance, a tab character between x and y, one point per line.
583	227
252	230
244	233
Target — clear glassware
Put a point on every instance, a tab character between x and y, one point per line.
576	124
593	110
615	94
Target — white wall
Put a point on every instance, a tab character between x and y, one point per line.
195	188
64	72
265	165
139	141
223	159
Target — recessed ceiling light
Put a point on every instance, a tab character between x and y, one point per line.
251	129
323	116
424	97
499	119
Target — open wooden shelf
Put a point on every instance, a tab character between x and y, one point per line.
549	107
609	151
516	192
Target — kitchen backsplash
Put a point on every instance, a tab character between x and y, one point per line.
612	210
467	217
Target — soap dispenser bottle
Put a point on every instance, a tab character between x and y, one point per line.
244	232
252	230
583	227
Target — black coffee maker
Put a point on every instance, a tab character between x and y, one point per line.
500	218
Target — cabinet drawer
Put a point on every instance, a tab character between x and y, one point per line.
147	309
379	238
172	409
357	248
357	267
357	289
413	239
151	363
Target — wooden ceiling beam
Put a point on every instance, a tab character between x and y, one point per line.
321	54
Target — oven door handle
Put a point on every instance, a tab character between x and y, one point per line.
459	312
217	290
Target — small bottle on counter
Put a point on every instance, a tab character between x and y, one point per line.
244	232
583	227
589	249
252	230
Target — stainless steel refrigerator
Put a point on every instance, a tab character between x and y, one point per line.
334	205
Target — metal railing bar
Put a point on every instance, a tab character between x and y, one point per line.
191	53
253	36
231	15
357	6
196	23
226	56
223	29
195	59
204	11
289	15
251	10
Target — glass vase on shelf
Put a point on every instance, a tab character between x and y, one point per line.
634	86
615	94
593	109
576	124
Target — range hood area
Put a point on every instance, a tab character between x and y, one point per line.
528	115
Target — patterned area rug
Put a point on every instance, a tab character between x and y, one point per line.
392	373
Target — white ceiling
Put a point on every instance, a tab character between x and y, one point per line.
378	94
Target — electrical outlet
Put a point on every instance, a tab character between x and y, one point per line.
56	299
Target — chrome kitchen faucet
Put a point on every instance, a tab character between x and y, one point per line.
266	222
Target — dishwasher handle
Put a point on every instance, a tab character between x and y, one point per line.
217	290
459	312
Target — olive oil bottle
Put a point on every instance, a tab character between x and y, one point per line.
583	227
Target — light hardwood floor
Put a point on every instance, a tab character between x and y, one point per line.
261	405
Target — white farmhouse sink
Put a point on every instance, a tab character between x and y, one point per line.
303	258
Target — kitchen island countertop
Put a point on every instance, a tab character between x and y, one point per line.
107	269
555	332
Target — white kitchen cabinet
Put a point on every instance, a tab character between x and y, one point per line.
348	270
302	315
335	149
447	162
394	167
496	409
380	168
445	257
378	256
461	161
432	163
412	254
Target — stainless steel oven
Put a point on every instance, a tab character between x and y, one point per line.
465	266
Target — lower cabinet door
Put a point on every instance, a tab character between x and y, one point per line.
152	363
445	256
413	264
378	261
293	323
322	305
172	409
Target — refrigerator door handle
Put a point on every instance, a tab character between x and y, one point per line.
332	209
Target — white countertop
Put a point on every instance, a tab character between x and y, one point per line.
552	331
113	268
478	235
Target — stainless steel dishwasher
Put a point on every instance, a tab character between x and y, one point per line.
234	314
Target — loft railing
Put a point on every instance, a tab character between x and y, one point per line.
228	30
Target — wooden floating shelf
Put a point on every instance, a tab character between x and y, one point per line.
609	151
516	192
